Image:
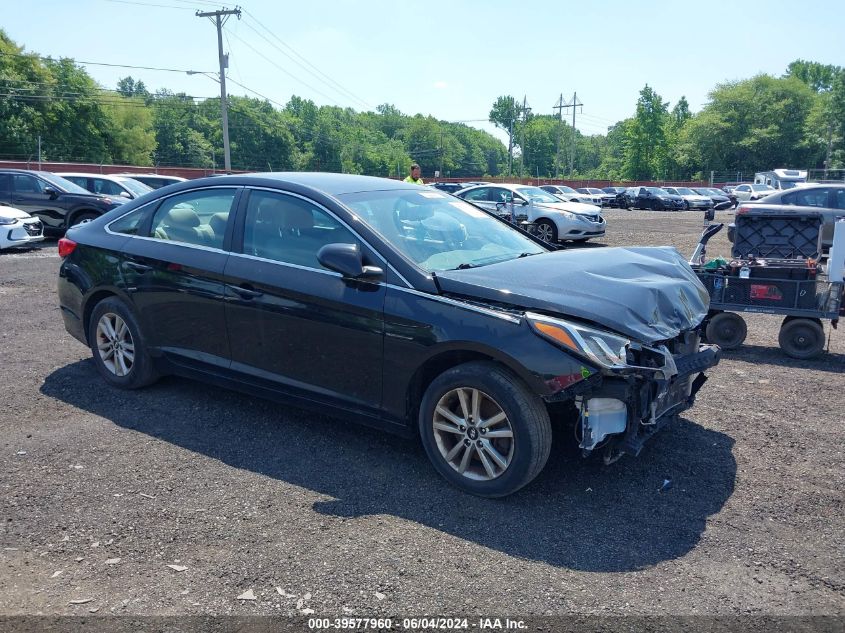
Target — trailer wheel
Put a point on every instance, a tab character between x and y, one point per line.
727	330
801	338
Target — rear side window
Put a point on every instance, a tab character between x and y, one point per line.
24	183
807	198
477	194
196	217
4	183
837	202
129	223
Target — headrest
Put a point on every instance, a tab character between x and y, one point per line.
182	216
297	218
217	222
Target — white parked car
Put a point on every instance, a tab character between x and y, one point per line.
568	194
555	219
18	228
108	184
692	200
746	192
605	198
156	181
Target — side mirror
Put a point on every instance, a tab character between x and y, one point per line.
50	191
347	260
125	194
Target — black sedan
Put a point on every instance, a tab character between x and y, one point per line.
57	202
396	305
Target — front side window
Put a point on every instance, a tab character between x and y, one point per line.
196	217
838	201
288	229
438	232
107	187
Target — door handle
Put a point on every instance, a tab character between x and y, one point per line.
140	268
246	292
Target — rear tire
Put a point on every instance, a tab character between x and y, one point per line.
79	218
483	430
118	346
727	330
801	338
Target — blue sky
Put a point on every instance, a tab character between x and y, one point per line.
447	59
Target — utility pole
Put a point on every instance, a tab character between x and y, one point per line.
559	107
219	18
441	153
526	110
572	104
39	152
510	137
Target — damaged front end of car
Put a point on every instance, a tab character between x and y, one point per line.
626	391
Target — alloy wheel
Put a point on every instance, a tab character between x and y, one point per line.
473	434
545	232
115	344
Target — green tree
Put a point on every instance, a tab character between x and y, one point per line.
819	77
645	143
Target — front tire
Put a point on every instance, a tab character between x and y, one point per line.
546	231
79	218
118	346
483	430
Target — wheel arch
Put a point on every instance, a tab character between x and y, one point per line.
96	297
71	217
445	359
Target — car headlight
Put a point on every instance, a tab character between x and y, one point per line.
6	221
604	348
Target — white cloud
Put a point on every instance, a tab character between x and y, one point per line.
441	85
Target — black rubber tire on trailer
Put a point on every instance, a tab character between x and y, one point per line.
523	430
727	330
801	338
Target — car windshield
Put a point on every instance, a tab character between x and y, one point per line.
684	191
535	194
657	191
437	231
565	189
762	188
65	185
138	188
595	191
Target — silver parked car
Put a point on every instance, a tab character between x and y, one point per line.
828	200
555	219
692	200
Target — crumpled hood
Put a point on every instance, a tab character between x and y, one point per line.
648	293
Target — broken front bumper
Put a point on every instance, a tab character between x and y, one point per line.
632	404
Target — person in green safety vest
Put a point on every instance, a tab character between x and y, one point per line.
415	176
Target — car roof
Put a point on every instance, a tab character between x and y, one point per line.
323	182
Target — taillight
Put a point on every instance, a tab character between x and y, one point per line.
742	210
66	247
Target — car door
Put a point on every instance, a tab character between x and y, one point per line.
28	194
173	272
293	323
742	193
481	197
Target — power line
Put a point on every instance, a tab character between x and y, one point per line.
328	80
89	63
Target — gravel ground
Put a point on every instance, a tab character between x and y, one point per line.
179	498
